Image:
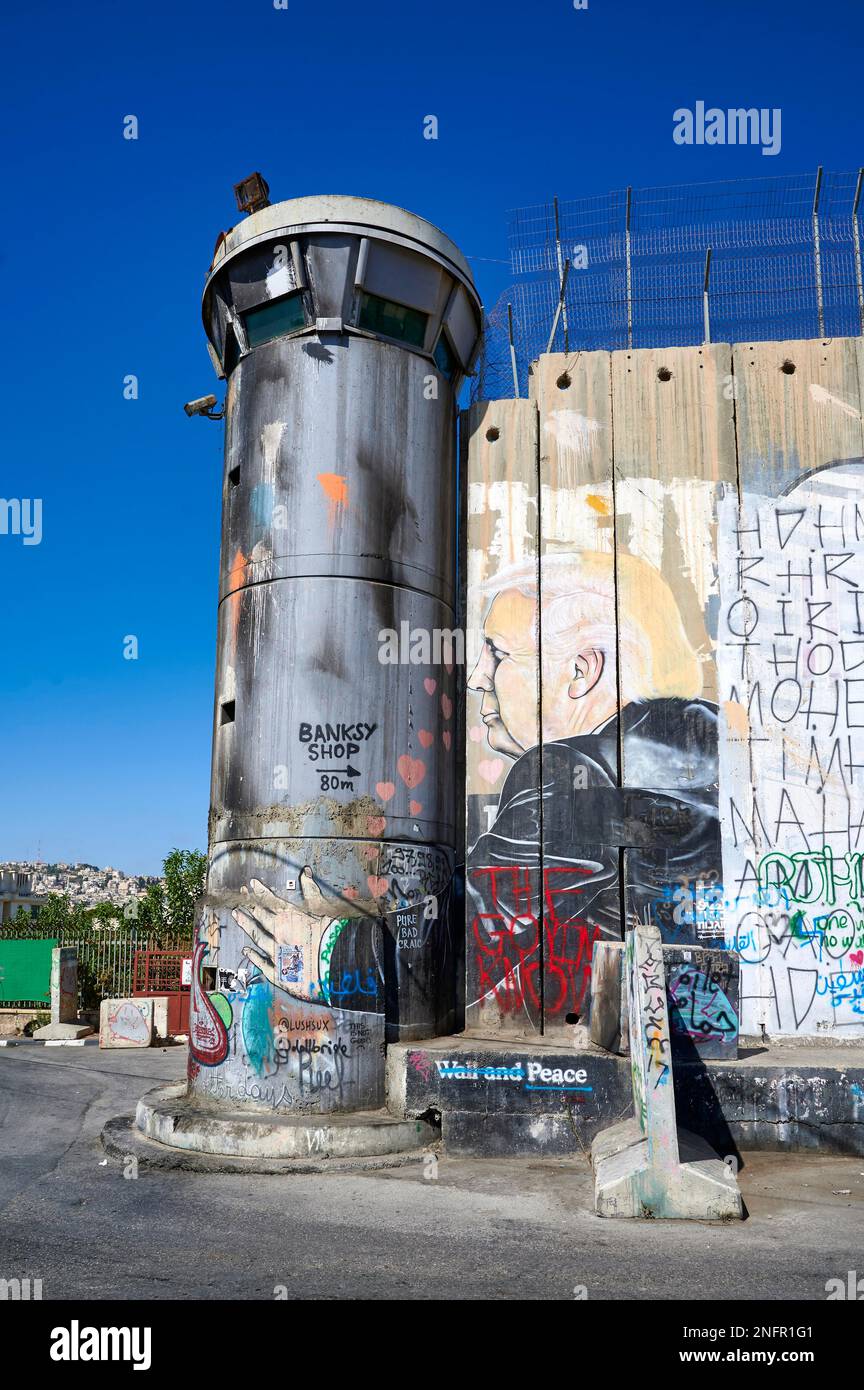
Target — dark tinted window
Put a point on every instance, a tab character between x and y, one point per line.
274	320
392	320
444	359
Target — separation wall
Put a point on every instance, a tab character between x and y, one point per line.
666	678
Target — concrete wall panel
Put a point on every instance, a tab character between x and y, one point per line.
578	901
503	950
791	667
674	455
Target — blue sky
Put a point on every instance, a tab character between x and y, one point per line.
106	243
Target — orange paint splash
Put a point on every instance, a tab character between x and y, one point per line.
335	489
235	579
598	503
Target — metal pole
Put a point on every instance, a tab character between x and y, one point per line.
512	351
856	242
706	320
560	309
629	272
817	254
558	258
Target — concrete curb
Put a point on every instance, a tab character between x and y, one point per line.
121	1139
170	1116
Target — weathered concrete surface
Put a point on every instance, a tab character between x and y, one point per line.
494	1229
64	984
498	1100
169	1116
576	505
121	1138
62	1032
674	451
801	1097
12	1021
775	1097
701	989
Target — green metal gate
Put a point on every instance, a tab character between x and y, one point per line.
25	971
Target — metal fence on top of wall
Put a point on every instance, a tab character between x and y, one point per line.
762	259
106	959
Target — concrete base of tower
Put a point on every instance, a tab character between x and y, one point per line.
170	1117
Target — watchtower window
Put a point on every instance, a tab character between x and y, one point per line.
275	319
445	361
227	712
392	320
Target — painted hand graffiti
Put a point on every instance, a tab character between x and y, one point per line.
284	938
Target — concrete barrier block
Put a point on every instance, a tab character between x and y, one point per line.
64	985
645	1166
126	1023
700	1187
160	1004
62	1032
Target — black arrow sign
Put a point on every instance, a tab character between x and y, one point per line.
349	770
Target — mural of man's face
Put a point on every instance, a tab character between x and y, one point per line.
506	674
575	695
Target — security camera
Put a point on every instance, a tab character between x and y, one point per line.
203	406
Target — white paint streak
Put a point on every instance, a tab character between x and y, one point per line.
822	396
575	435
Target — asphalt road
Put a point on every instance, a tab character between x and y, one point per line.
520	1229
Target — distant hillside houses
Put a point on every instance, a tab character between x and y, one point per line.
27	883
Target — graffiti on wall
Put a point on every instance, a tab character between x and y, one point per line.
666	705
791	664
288	1002
545	878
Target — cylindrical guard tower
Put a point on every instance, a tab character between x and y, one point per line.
343	327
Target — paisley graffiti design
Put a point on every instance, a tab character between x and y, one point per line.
208	1037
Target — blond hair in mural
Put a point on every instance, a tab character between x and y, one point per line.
581	592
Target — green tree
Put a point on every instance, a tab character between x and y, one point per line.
104	915
56	914
150	918
185	871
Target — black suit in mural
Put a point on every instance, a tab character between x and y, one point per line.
569	844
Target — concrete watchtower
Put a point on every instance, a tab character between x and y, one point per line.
343	328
